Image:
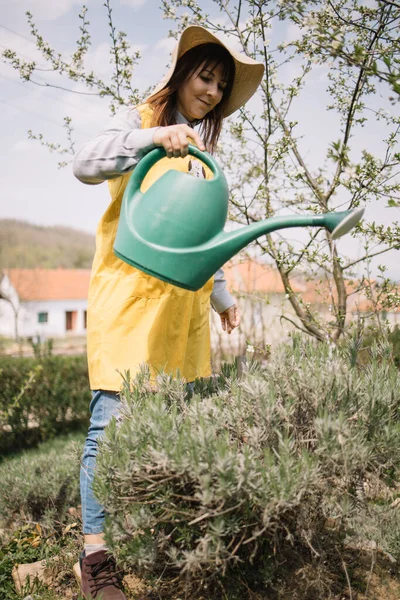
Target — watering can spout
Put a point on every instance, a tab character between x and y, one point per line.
207	259
174	230
337	223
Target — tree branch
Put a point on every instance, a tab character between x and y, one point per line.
355	262
356	92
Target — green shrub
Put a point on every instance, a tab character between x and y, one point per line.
268	468
394	339
372	333
40	396
40	485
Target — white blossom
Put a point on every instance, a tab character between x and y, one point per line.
170	13
311	21
337	41
351	172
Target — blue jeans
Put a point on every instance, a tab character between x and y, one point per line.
103	406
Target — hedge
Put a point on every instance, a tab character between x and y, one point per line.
40	397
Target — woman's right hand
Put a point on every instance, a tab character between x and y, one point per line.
175	139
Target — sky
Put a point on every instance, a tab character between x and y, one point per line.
32	186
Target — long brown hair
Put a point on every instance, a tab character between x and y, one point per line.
164	102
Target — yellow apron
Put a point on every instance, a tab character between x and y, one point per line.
134	318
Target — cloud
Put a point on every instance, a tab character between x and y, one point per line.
231	41
46	10
8	111
165	44
25	145
134	3
98	59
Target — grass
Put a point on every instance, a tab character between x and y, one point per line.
27	540
54	445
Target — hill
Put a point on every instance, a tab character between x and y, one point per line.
24	245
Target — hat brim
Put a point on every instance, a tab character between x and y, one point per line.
248	72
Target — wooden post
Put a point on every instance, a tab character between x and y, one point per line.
240	365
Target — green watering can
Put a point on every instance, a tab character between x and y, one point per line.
174	231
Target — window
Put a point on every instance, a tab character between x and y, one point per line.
43	317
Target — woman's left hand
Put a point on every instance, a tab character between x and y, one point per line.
230	318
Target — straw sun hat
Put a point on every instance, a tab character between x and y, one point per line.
248	72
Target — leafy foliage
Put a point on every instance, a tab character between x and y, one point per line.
122	57
41	396
348	32
265	468
266	153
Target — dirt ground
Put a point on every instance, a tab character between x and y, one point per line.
65	345
374	578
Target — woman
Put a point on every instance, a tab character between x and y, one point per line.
134	318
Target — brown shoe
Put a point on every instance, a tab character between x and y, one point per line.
100	579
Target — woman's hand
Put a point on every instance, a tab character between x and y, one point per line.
176	138
230	318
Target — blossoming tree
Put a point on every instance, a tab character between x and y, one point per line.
353	45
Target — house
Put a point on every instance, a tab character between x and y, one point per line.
43	303
47	303
267	315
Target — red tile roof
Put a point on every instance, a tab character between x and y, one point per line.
248	276
69	284
50	284
251	276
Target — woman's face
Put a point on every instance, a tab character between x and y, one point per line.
199	94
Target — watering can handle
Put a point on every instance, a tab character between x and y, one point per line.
150	159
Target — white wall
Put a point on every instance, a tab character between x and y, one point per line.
56	324
7	319
261	324
29	326
8	308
